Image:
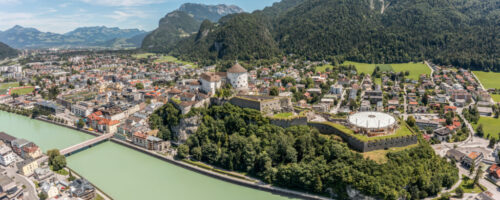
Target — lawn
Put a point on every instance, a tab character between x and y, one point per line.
22	91
491	126
468	186
488	79
283	115
496	97
380	156
4	87
403	130
163	59
415	69
323	68
142	55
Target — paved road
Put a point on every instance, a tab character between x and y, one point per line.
335	110
29	191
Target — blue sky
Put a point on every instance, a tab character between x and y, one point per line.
62	16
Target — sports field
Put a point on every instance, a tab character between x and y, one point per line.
415	69
22	90
4	87
488	79
491	126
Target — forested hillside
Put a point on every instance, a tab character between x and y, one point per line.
6	51
300	158
464	33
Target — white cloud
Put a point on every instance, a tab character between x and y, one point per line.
9	1
126	14
123	2
58	23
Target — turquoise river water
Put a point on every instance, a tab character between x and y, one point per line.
126	174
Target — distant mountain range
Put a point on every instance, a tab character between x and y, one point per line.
85	37
6	51
183	23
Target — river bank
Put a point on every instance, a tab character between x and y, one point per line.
238	181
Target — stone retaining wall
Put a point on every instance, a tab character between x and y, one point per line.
365	146
285	123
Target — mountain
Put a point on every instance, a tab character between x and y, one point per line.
6	51
182	23
21	37
102	33
464	33
211	12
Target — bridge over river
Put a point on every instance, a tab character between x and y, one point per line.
77	147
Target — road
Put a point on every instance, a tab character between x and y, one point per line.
30	190
432	72
335	110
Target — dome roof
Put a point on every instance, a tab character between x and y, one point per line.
237	68
371	120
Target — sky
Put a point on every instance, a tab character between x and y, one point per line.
61	16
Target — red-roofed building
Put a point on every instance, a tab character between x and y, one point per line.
474	158
494	172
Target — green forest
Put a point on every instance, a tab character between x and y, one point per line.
463	33
6	51
301	158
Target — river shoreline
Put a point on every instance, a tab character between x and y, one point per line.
206	172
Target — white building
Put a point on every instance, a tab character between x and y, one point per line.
210	82
238	76
81	109
6	155
336	89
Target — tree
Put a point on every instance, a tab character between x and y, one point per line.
274	91
411	121
471	170
459	192
59	163
182	151
492	143
479	175
139	86
196	152
479	130
53	92
80	124
42	196
56	160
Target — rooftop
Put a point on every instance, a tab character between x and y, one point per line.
371	120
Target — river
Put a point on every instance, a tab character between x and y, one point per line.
123	173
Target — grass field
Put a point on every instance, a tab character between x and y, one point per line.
380	156
4	87
323	68
174	59
496	97
488	79
143	55
415	69
283	115
164	58
468	186
491	126
22	91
